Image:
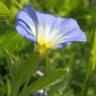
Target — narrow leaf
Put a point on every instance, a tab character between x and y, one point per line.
22	70
4	10
51	77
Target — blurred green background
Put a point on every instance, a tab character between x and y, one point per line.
79	57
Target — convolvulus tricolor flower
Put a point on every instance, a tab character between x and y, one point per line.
47	31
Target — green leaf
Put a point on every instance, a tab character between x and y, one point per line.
8	59
4	10
60	87
2	87
51	77
94	53
22	70
8	87
69	93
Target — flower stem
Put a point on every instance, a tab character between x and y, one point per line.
8	87
86	80
46	60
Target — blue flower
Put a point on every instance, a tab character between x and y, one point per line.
48	31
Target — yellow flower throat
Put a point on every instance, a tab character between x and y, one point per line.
43	45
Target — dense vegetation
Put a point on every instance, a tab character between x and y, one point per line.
69	71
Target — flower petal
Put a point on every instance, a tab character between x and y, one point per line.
59	31
27	21
60	45
46	22
21	29
70	31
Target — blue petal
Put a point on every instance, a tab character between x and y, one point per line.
49	19
71	32
26	21
46	19
21	29
62	45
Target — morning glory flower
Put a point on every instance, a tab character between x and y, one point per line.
49	32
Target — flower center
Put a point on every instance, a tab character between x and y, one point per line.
43	45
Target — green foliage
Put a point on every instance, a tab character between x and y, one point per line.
4	10
93	53
70	71
2	87
22	71
51	77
